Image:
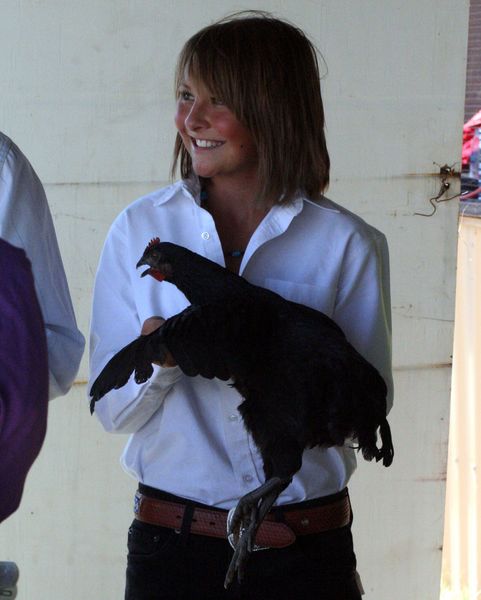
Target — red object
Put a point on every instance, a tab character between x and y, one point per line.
474	194
470	141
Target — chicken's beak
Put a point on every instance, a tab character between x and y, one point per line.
155	273
142	262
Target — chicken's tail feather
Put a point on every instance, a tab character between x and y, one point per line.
386	452
370	450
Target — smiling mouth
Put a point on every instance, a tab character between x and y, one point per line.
207	144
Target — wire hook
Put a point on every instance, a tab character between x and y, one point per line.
445	172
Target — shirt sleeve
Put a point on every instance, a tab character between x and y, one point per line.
363	304
26	222
23	376
115	323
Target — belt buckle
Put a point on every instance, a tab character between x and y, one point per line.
231	537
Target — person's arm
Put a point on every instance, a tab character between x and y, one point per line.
26	222
23	376
363	304
115	323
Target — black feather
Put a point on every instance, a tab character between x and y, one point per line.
293	365
302	382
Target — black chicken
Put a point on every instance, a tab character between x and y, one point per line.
303	384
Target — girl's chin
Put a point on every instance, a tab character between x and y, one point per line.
204	172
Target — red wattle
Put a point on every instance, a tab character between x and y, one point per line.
157	275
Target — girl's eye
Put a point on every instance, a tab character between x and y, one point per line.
185	95
217	101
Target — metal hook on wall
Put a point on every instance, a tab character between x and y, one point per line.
445	172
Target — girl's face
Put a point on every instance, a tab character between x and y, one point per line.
218	144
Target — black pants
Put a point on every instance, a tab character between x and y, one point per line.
165	565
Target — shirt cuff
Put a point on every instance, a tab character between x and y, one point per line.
164	377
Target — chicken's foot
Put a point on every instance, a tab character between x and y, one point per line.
248	515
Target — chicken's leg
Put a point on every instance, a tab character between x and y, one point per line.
249	514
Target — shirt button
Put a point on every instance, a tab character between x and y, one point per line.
247	478
233	418
205	235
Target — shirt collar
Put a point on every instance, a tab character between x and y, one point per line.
192	187
279	217
275	223
189	187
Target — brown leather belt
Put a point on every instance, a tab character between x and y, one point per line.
271	533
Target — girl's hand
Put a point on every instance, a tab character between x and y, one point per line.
150	325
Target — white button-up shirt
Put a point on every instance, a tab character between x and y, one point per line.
26	222
186	434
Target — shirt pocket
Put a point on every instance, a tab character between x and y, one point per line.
318	297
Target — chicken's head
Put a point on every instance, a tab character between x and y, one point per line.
155	258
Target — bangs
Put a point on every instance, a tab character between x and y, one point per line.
209	64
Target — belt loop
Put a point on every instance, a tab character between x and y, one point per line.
137	503
186	522
278	514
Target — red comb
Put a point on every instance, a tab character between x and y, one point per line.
153	242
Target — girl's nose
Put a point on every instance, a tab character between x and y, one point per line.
197	117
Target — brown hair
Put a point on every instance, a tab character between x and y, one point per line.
266	71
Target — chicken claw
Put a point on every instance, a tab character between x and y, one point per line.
244	521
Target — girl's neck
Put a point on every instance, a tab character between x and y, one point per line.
231	196
234	200
236	214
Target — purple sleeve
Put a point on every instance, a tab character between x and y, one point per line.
23	376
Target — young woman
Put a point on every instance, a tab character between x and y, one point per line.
254	164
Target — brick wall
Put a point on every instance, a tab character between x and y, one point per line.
473	74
